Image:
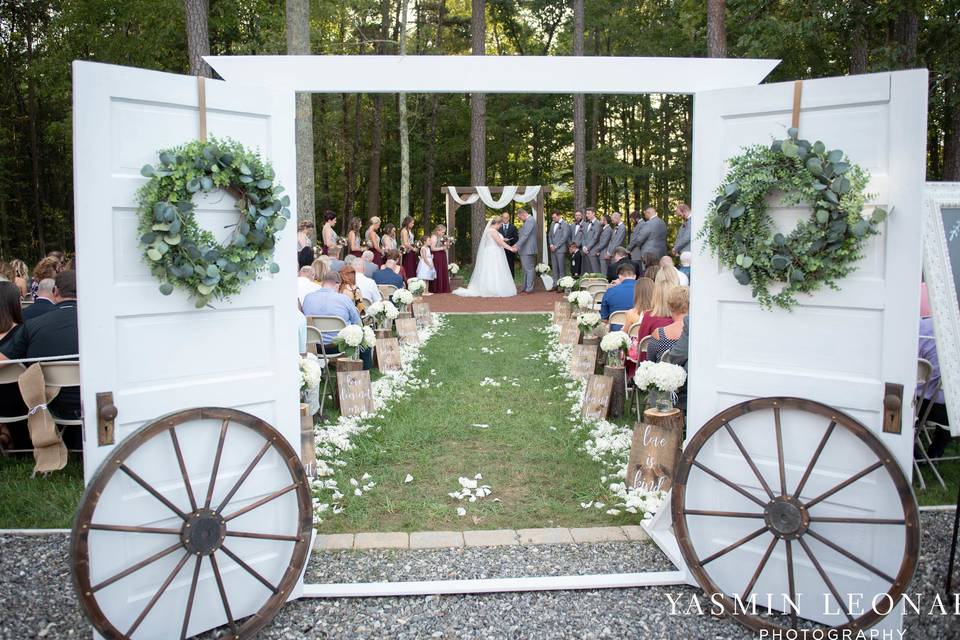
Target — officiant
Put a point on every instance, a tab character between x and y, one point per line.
509	232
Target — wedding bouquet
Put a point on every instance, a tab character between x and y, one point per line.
454	268
661	379
352	338
615	345
588	322
542	268
416	286
402	298
310	373
382	312
566	283
581	299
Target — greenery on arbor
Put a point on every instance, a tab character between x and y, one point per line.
637	148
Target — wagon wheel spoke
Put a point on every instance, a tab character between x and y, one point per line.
826	579
845	483
813	460
183	468
746	456
739	490
140	565
243	476
791	585
223	593
866	565
780	463
263	536
156	494
156	596
262	501
730	547
721	514
193	590
216	463
131	529
759	570
249	569
857	520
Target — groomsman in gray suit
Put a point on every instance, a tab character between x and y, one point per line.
558	237
618	233
600	249
633	246
527	249
591	233
682	242
576	239
651	237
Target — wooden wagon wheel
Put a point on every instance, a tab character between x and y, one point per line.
785	515
203	528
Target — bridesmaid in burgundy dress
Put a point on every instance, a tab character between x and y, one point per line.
372	237
353	237
438	244
407	242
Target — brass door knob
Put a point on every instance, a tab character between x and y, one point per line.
108	412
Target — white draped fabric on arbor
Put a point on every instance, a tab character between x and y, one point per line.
508	194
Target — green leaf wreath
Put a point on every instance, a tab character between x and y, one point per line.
183	255
821	249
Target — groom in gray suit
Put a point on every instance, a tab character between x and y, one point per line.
527	249
558	237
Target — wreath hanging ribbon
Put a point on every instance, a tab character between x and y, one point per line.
820	250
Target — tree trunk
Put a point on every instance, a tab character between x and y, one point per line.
198	37
716	29
323	175
298	43
376	133
430	157
579	119
478	126
33	115
905	30
858	48
951	142
404	133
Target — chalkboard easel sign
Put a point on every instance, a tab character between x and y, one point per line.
941	272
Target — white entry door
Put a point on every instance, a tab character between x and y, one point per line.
836	347
158	354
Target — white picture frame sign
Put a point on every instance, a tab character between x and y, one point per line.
941	269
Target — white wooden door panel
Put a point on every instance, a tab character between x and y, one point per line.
159	354
835	347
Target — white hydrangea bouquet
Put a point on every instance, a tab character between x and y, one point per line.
661	380
383	312
311	374
454	268
615	345
402	298
416	286
542	268
352	338
588	322
567	283
582	300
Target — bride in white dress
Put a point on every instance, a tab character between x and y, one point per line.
491	275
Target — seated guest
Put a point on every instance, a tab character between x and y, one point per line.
366	283
42	301
667	262
49	267
13	435
620	256
329	301
320	266
306	282
659	314
663	338
331	263
642	302
932	393
389	273
685	265
54	334
369	267
619	297
348	287
669	273
398	259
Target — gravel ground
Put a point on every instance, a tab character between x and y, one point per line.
36	599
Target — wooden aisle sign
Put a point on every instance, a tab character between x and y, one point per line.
584	360
596	400
407	330
308	447
354	391
561	311
421	311
388	354
655	450
569	333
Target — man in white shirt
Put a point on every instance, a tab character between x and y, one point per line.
306	282
368	286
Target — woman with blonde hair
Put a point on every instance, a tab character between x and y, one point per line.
663	338
642	302
372	238
21	275
320	267
353	237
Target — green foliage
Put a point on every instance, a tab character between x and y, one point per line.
819	251
182	254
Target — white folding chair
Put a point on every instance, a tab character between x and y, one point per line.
597	287
62	375
924	371
617	317
327	353
586	283
10	374
641	348
386	290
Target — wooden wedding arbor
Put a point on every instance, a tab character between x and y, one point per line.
538	207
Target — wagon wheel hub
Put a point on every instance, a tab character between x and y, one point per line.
203	532
787	518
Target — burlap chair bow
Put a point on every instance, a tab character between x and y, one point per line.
49	451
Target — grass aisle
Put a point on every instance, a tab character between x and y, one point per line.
527	454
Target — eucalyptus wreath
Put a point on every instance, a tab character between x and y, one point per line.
821	249
180	253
